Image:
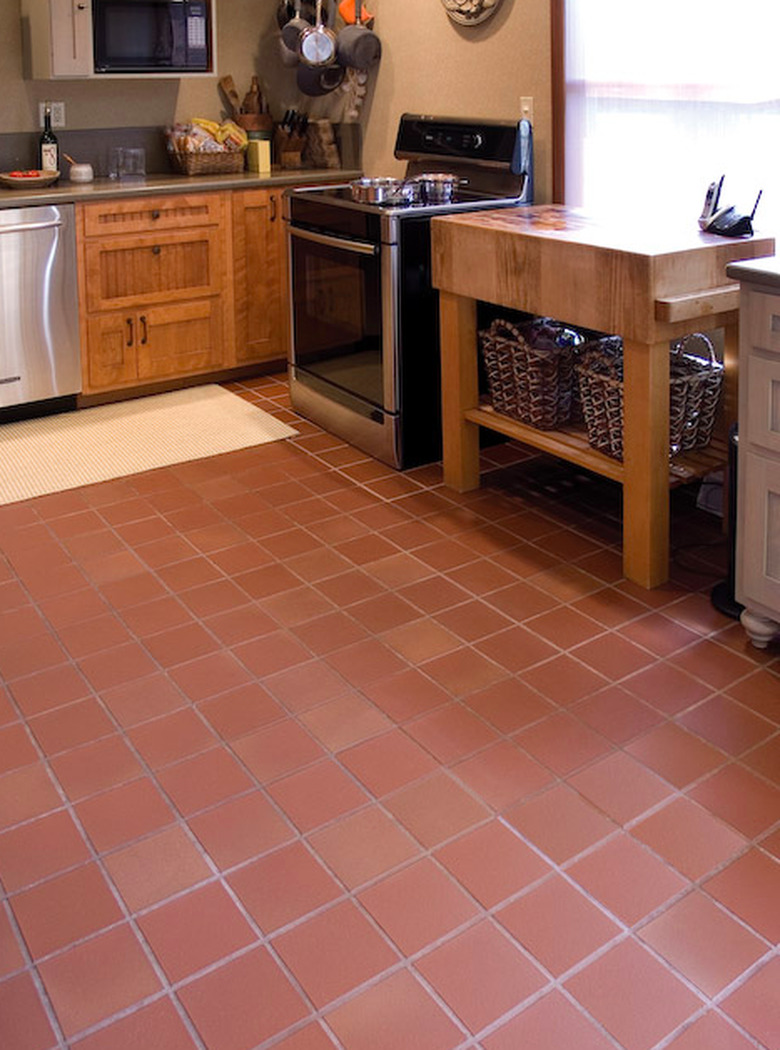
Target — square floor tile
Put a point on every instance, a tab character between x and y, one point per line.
283	886
40	848
239	712
509	705
740	798
480	974
550	1022
156	868
334	952
195	930
418	905
627	879
620	786
492	862
564	680
69	726
339	723
633	996
95	767
563	743
750	889
395	1012
23	1021
616	714
317	794
171	737
16	748
688	838
124	813
502	774
405	695
560	823
557	924
675	754
240	829
96	979
204	780
135	702
451	732
435	809
11	957
242	1003
388	761
361	846
703	943
65	909
727	725
277	749
158	1024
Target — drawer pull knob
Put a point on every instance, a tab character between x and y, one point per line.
156	249
156	213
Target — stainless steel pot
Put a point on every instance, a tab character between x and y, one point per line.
383	191
437	187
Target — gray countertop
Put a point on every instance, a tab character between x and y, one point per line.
64	192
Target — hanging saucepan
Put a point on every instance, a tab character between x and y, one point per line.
317	45
291	32
284	12
356	45
319	80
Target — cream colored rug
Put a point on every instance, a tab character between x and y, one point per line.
38	456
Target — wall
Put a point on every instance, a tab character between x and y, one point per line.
429	65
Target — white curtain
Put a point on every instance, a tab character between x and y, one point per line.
664	98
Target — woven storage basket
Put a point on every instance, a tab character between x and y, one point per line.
694	392
226	163
529	377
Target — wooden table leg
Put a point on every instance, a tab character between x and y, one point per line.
459	390
646	463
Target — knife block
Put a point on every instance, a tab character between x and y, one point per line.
288	148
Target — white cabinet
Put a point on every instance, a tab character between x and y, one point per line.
757	570
58	38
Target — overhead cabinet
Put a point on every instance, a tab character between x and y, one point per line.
57	35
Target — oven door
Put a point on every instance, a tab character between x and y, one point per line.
344	372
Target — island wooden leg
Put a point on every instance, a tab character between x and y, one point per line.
459	390
646	463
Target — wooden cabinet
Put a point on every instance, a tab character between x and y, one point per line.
156	289
259	276
757	569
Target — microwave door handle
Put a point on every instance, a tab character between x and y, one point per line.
357	247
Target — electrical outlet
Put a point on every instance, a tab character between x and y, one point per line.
527	108
57	114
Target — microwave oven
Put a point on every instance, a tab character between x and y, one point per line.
152	36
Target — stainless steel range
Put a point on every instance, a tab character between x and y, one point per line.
365	320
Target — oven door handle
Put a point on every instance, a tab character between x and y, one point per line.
358	247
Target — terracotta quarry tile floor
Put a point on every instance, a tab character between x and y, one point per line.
298	752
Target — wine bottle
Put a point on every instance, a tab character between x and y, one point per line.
48	148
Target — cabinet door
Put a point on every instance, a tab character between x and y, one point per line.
181	339
110	360
260	276
134	271
758	533
71	38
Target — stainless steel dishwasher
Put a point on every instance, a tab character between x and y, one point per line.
39	329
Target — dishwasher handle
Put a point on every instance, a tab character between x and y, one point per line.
27	227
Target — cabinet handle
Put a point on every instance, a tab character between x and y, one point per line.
156	213
81	7
129	323
273	207
144	330
156	249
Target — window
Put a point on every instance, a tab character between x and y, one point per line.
661	99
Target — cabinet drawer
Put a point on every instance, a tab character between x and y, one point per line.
760	418
760	313
150	270
142	214
758	531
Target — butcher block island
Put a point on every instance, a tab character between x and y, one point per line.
626	277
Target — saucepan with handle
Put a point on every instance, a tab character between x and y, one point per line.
357	46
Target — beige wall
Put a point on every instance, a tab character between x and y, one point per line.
429	65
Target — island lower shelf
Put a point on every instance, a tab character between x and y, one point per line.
571	443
